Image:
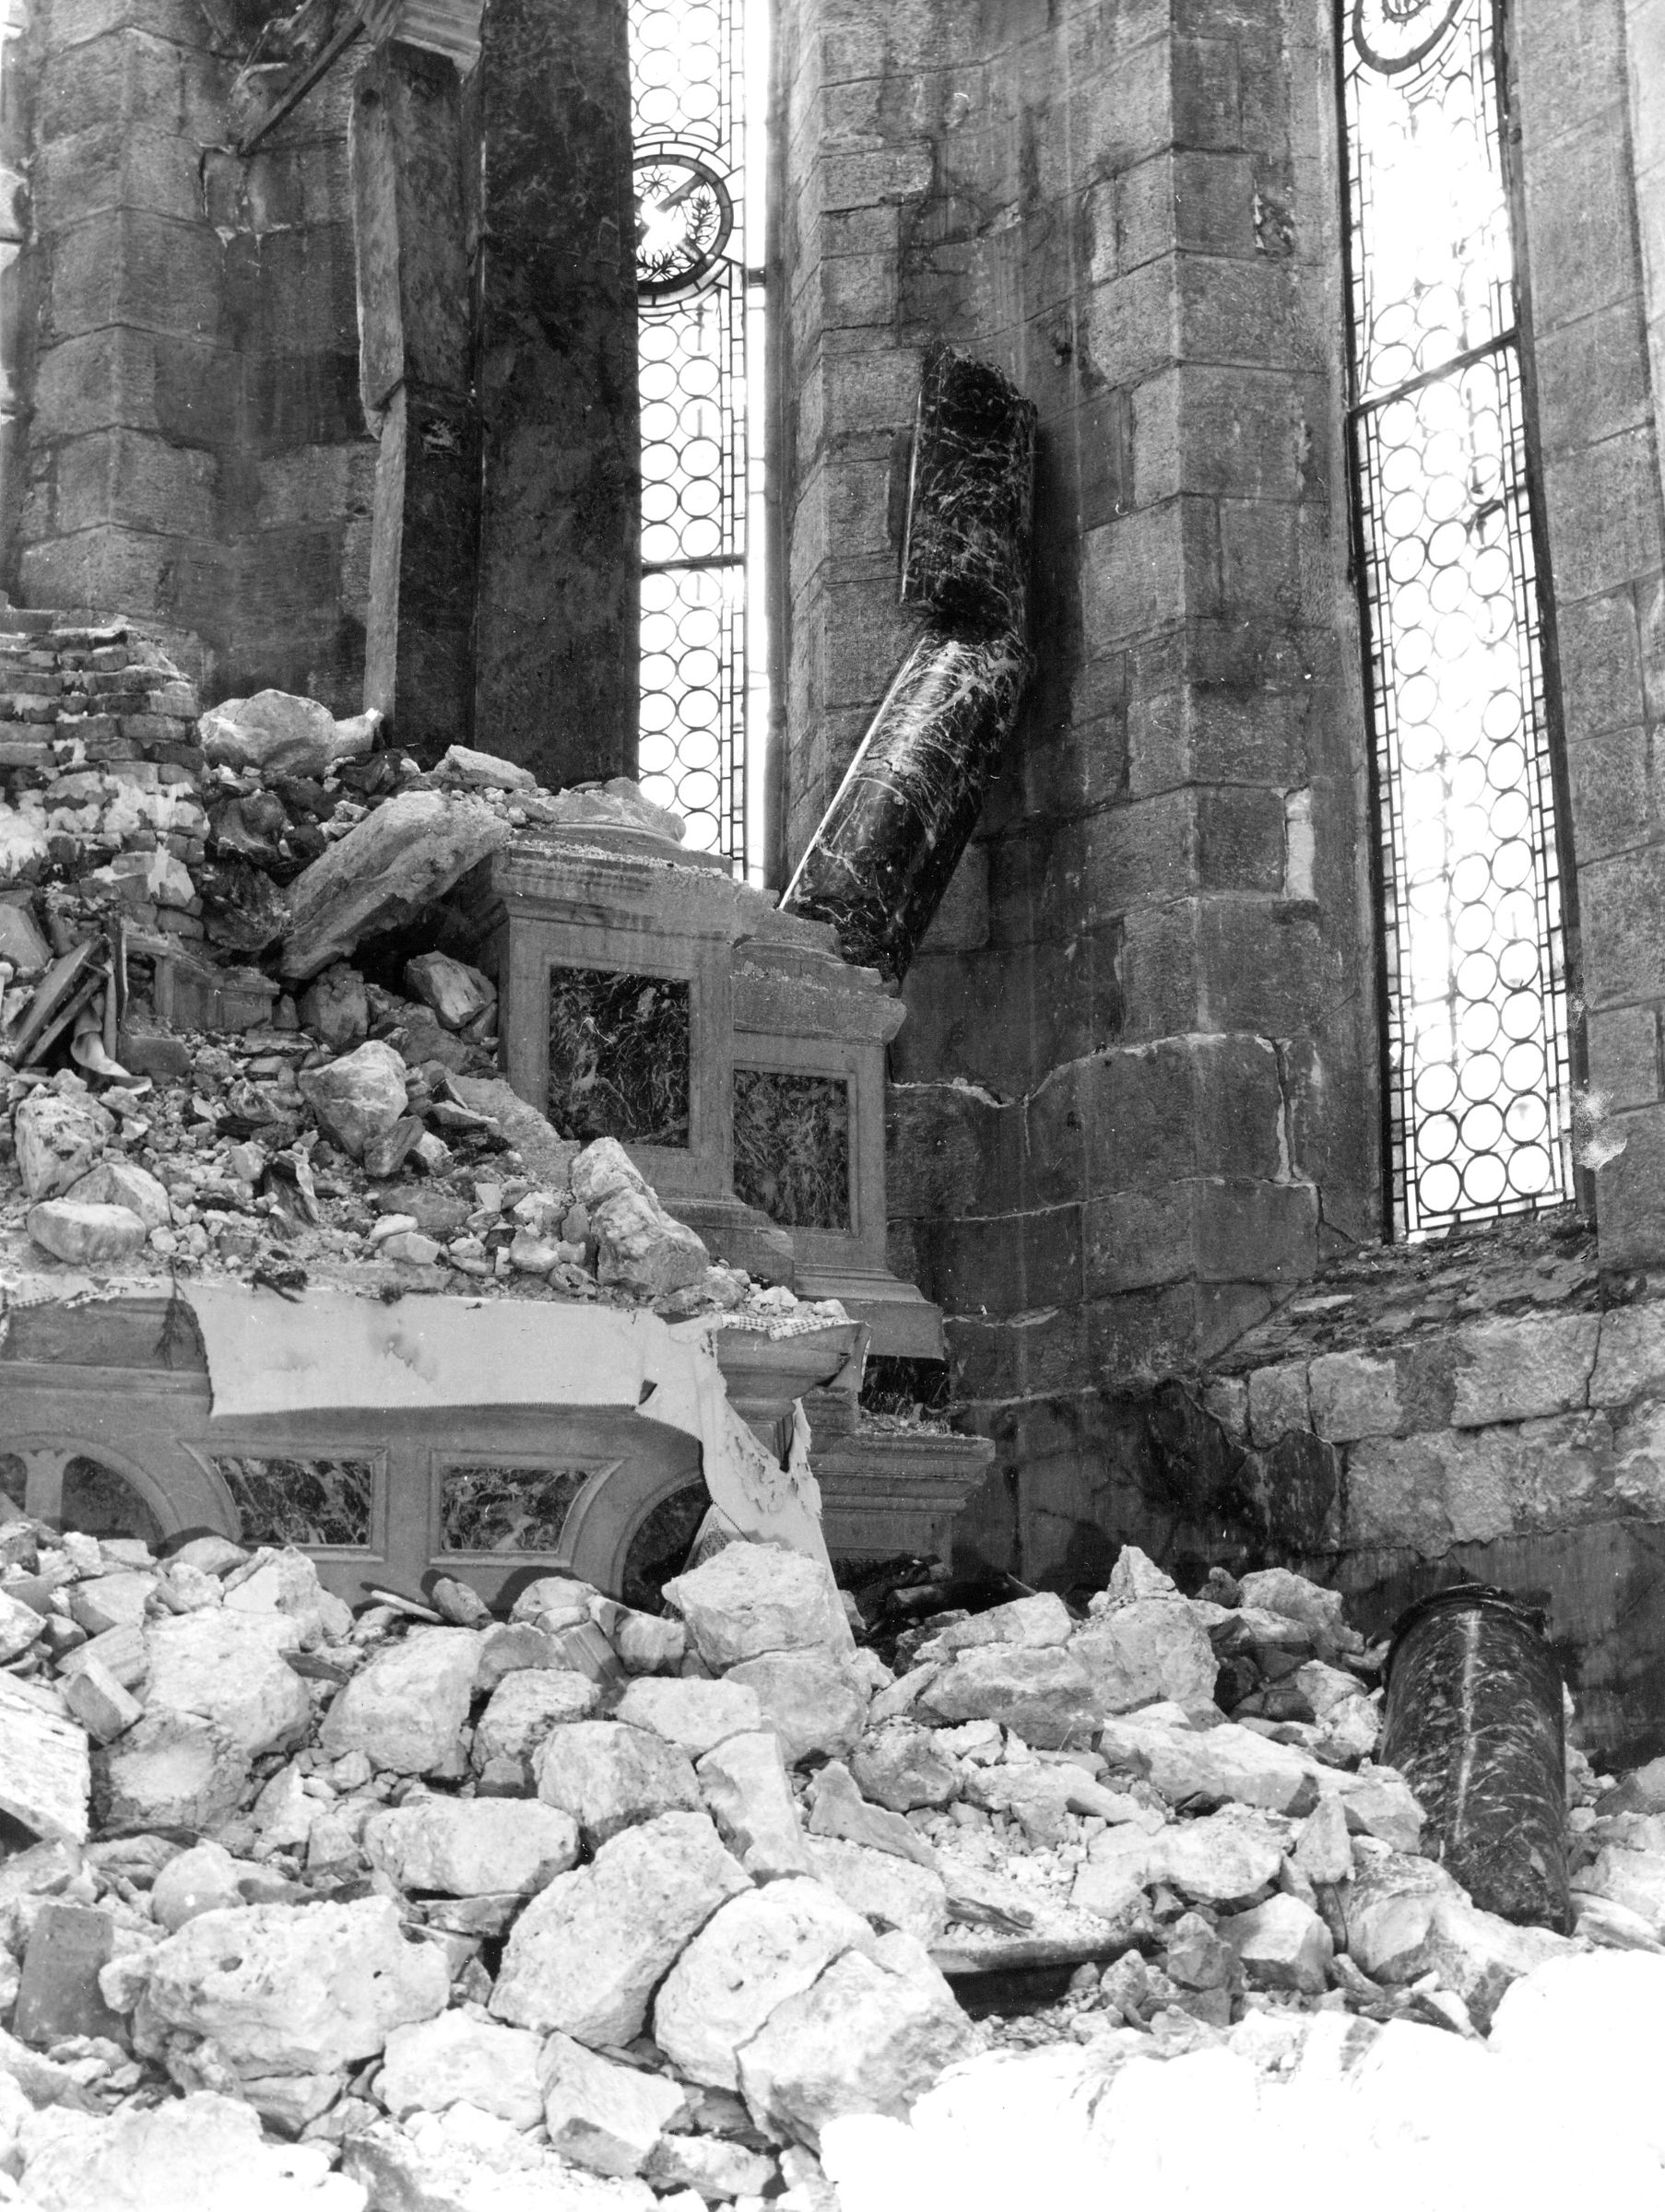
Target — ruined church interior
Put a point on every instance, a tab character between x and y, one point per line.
833	1054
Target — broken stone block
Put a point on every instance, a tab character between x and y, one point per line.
600	2114
1220	1860
609	1776
752	1598
335	1008
123	1183
1134	1576
759	1949
1141	1653
21	943
1323	1852
525	1706
466	2161
214	1555
858	2040
840	1809
586	1954
1046	1696
198	2153
229	1667
455	2059
642	1248
809	1700
110	1601
548	1154
58	1994
1280	1589
904	1768
405	1709
457	993
203	1880
1197	1958
86	1236
483	772
509	1648
97	1700
1406	1918
20	1625
1216	1764
1036	1796
357	1098
650	1643
45	1779
1283	1945
293	1989
282	733
890	1892
1379	1803
1037	1621
747	1792
171	1771
59	1136
690	1711
287	1581
383	873
471	1847
714	2168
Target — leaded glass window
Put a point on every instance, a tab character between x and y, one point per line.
1475	972
700	295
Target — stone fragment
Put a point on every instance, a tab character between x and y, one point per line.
471	1846
483	772
1283	1945
759	1949
1198	1958
713	2167
282	733
890	1892
688	1710
1149	1649
525	1707
97	1700
335	1008
214	1555
600	2114
1221	1859
510	1648
58	1994
466	2161
123	1182
284	1811
904	1768
287	1581
1280	1589
840	1809
86	1236
1046	1696
357	1098
642	1248
44	1775
1634	1879
752	1598
809	1700
1135	1576
744	1784
111	1601
650	1643
20	1625
457	993
405	1709
202	1879
169	1772
1035	1796
383	873
587	1952
430	2065
1039	1622
1213	1765
548	1154
59	1136
198	2153
1323	1852
609	1776
860	2039
1380	1803
1406	1918
22	943
229	1667
293	1989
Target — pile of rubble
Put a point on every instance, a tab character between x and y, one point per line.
592	1908
196	1077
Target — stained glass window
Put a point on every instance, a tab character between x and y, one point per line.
698	111
1475	973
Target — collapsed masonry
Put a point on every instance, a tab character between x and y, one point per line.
606	1910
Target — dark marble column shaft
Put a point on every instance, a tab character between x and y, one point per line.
410	150
1472	1719
559	588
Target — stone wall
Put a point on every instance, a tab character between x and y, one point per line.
197	449
1133	1094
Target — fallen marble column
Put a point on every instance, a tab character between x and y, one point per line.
1473	1721
878	863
